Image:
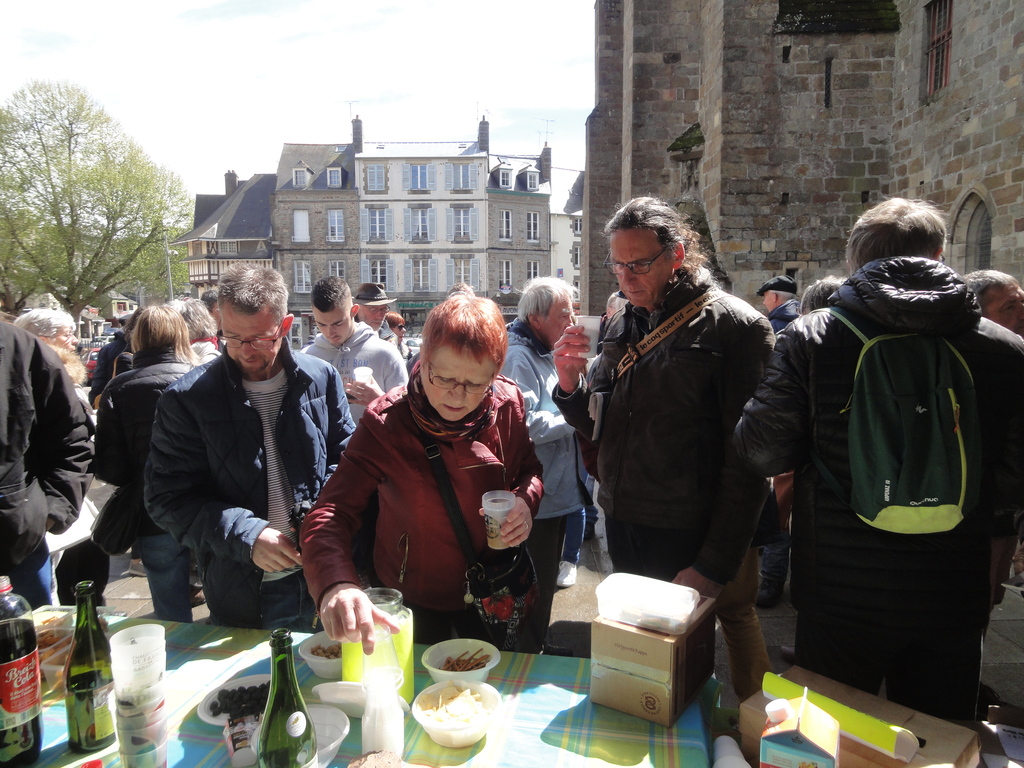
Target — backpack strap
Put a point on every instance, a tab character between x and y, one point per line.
865	330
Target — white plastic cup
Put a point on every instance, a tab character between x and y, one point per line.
138	660
497	505
592	329
362	374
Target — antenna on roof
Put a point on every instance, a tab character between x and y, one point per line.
350	103
547	128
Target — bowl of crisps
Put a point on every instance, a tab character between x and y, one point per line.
460	659
456	713
322	655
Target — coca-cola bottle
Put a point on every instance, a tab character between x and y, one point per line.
21	719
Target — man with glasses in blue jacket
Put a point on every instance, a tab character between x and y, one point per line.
241	448
661	402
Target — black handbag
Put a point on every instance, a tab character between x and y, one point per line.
504	592
117	524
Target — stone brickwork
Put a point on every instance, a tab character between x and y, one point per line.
802	132
318	251
964	146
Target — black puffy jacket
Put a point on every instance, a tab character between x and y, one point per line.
125	423
842	568
45	448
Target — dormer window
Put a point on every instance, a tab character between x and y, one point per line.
532	181
505	178
300	178
334	177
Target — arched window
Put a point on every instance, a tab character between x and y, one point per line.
979	239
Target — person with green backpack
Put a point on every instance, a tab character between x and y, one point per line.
899	409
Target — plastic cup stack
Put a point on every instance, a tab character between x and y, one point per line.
138	659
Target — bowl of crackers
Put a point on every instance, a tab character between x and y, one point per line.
460	659
322	655
456	713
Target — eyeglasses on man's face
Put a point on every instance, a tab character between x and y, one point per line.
641	267
442	382
232	343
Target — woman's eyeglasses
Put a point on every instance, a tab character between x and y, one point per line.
442	382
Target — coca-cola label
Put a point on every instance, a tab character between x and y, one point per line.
20	699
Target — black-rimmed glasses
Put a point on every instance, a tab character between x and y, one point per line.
636	267
232	343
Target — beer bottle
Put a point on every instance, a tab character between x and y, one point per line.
89	696
287	738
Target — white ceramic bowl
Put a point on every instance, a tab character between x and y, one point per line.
457	734
434	657
331	726
329	669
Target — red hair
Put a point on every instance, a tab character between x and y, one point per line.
467	323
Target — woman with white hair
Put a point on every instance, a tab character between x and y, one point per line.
84	560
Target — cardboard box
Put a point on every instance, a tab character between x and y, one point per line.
650	674
946	744
807	739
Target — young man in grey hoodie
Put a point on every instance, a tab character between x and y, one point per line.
348	344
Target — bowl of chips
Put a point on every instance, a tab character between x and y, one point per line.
322	655
460	659
456	713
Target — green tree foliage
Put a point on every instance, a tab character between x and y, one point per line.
83	210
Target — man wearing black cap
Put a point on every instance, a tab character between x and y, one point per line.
781	301
373	303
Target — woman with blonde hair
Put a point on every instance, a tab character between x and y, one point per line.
162	353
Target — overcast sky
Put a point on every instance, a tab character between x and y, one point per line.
207	86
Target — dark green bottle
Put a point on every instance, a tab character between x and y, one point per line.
88	679
287	738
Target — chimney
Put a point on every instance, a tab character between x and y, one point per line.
357	135
545	163
483	136
230	183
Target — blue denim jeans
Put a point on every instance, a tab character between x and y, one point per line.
573	540
167	570
286	603
775	557
32	578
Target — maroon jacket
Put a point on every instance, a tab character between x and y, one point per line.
416	550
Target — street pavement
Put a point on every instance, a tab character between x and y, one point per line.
573	609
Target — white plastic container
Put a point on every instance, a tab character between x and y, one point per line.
648	603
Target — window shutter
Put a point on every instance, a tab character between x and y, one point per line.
449	175
364	270
390	284
474	224
432	176
406	176
449	271
389	225
449	224
300	226
407	215
364	226
473	171
432	271
408	274
432	224
474	274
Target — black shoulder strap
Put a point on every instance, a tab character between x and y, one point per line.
451	502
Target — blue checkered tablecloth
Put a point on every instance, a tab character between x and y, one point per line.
547	718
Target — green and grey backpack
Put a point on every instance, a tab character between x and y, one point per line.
914	435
